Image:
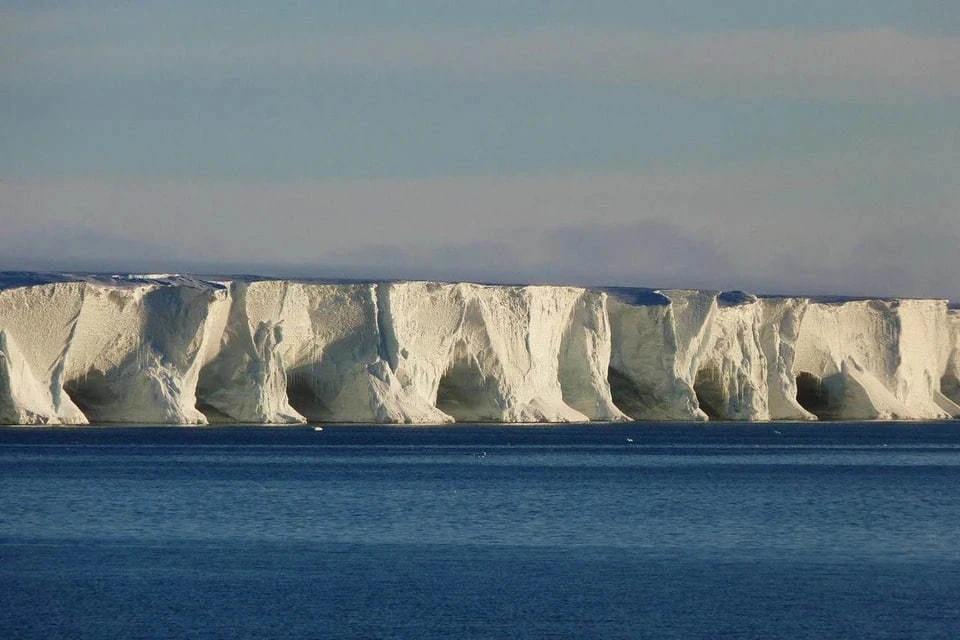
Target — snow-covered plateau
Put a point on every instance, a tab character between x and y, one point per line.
175	349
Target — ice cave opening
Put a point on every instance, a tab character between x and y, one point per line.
710	393
211	413
208	385
627	395
91	394
303	396
467	395
814	394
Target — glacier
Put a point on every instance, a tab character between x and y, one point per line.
174	349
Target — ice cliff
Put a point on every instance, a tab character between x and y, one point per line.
181	350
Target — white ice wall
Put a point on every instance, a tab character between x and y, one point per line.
171	349
243	378
731	380
877	359
37	324
314	351
657	340
584	359
512	354
779	331
110	351
136	352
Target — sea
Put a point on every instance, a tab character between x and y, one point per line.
715	530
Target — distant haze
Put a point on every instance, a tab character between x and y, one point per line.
811	148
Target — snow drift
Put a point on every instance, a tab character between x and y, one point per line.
180	350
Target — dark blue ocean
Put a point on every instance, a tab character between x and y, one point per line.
585	531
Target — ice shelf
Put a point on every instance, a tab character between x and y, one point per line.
183	350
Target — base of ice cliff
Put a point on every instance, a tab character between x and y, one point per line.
180	350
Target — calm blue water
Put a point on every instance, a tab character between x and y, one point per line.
720	531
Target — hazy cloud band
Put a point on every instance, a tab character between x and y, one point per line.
877	63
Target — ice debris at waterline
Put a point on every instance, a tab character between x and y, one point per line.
181	350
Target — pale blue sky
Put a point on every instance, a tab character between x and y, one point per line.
790	146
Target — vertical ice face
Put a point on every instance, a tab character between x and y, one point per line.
731	379
585	359
24	399
136	351
680	354
243	378
332	352
871	359
115	351
38	324
657	342
779	331
424	320
170	349
924	330
513	354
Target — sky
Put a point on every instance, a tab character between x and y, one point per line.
780	147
